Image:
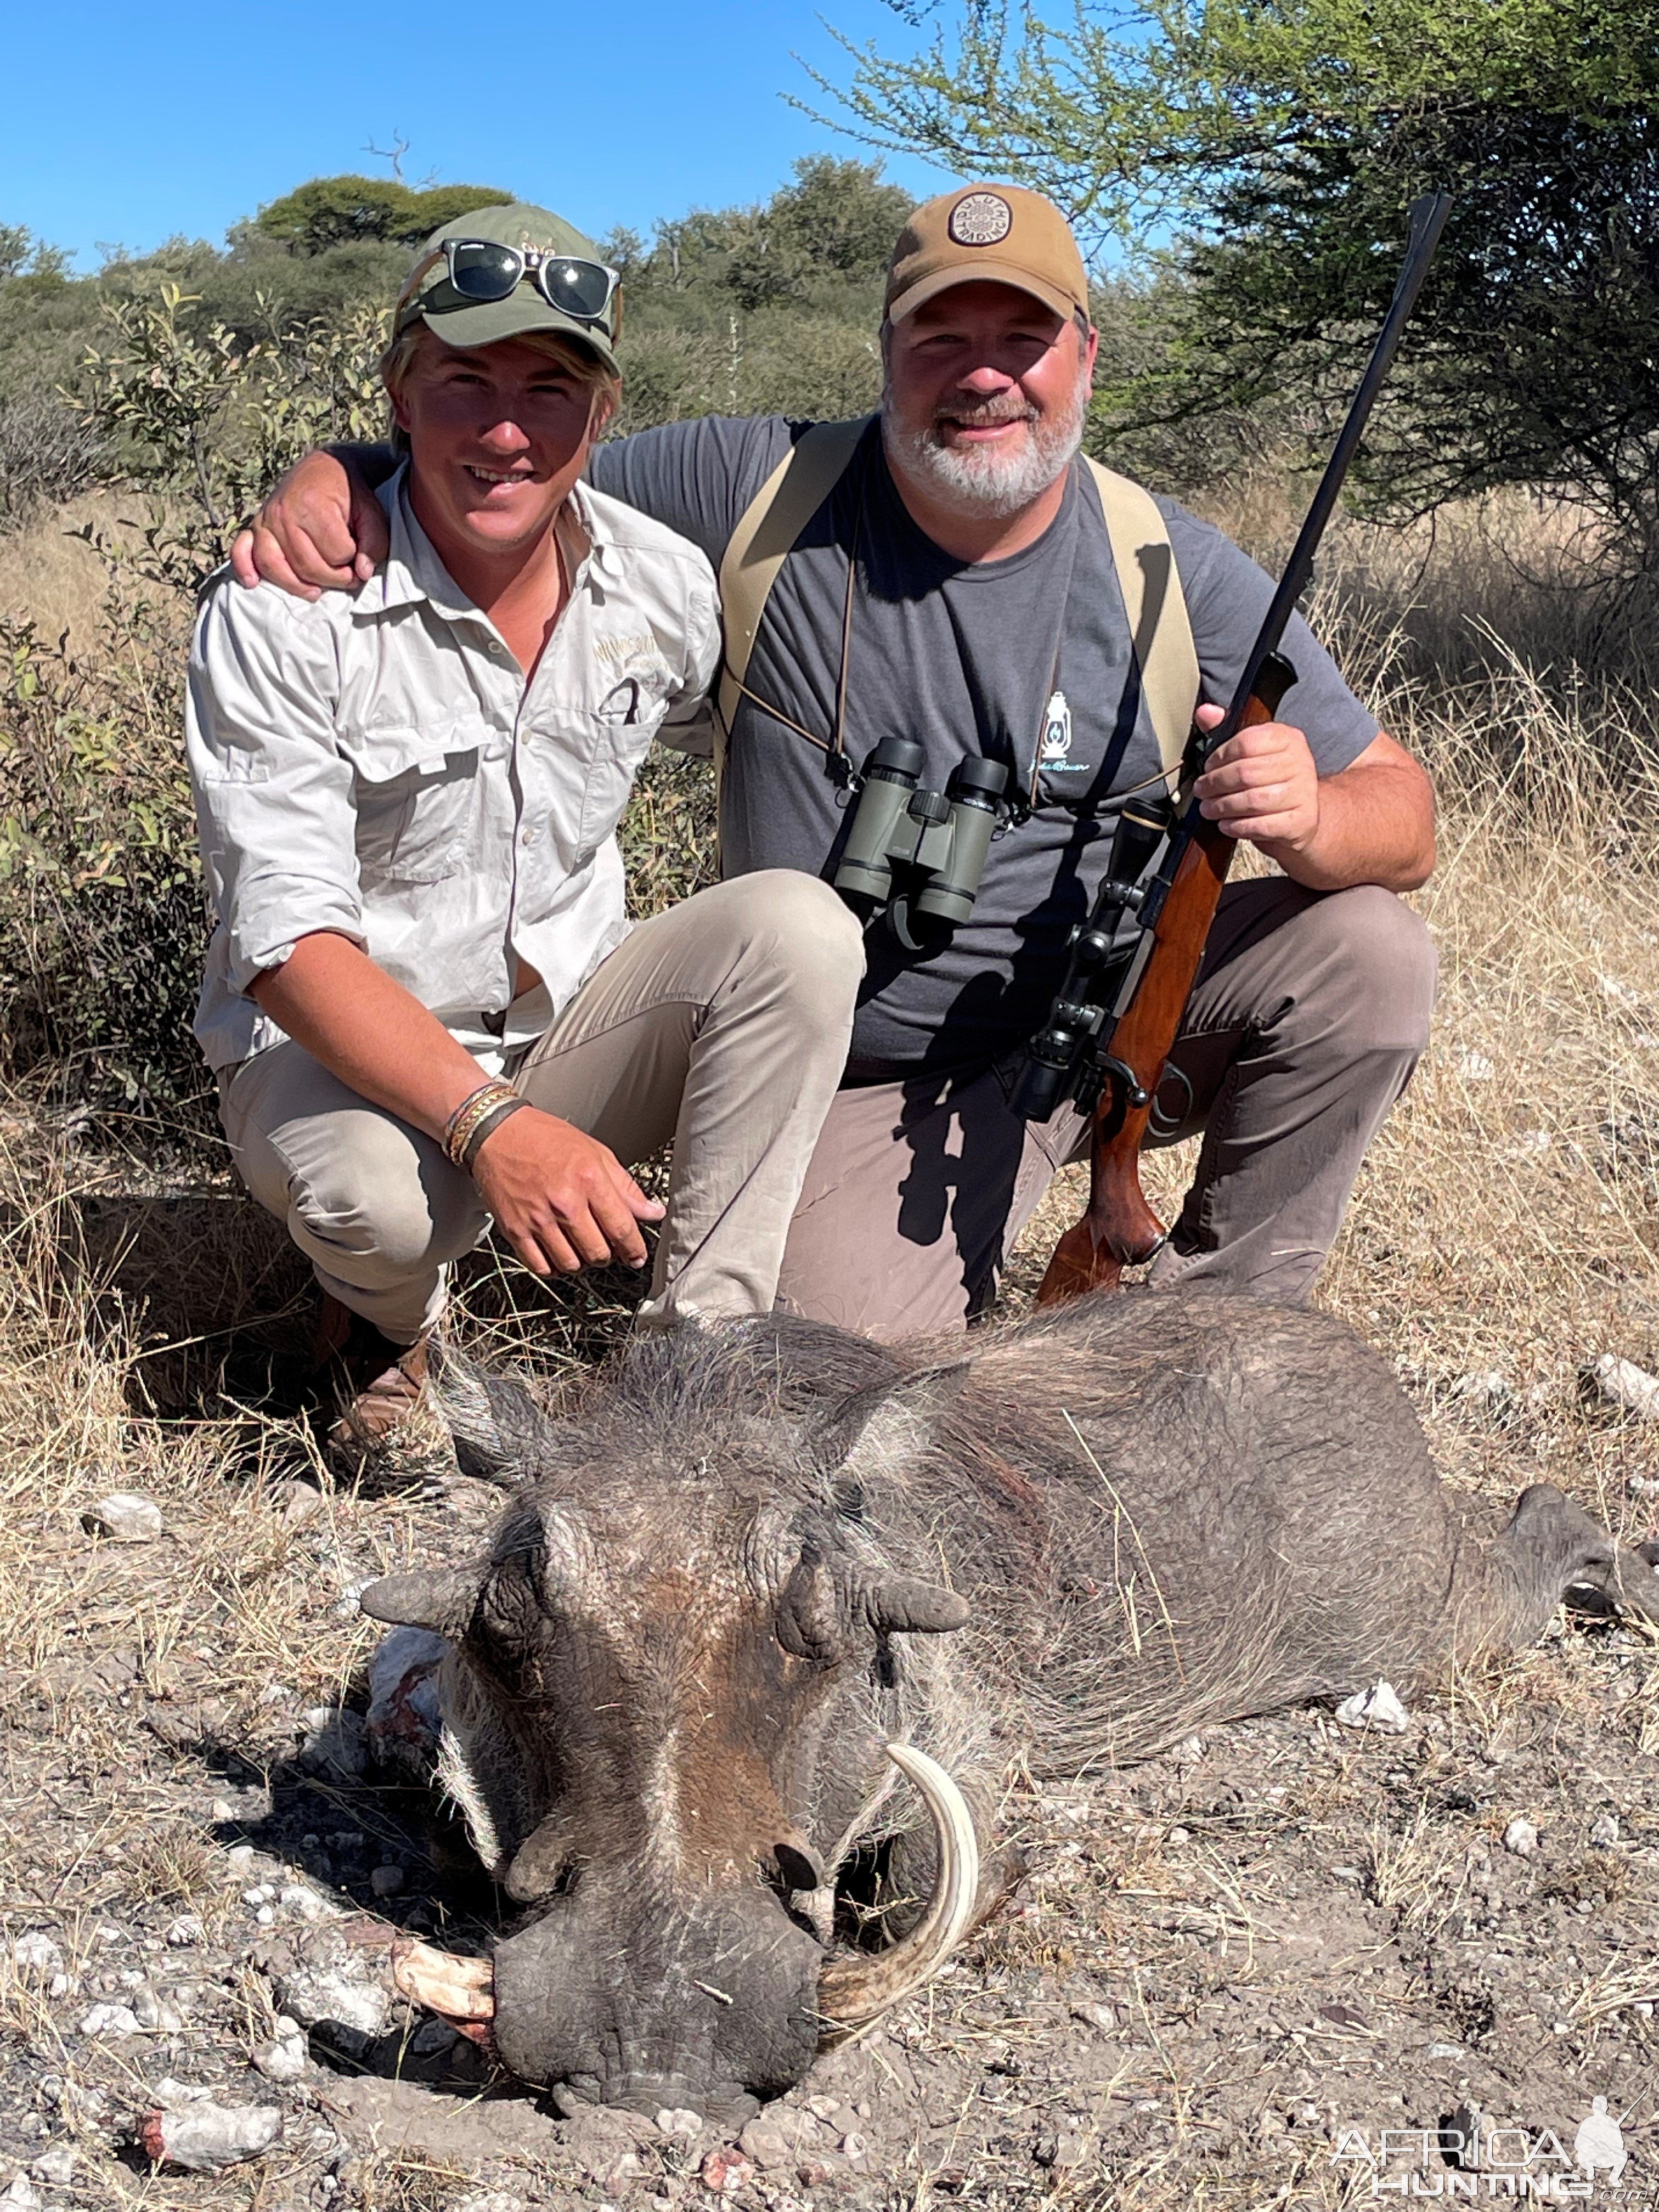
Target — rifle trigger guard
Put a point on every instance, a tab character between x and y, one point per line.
1165	1124
1125	1077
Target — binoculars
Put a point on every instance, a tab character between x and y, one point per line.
939	838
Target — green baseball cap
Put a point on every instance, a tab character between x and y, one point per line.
546	239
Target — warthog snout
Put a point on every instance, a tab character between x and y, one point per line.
616	1998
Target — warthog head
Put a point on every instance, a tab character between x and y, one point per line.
673	1682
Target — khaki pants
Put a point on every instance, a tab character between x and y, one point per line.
722	1025
1309	1013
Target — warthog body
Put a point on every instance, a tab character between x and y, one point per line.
753	1556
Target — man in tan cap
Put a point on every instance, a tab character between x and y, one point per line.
424	1003
950	573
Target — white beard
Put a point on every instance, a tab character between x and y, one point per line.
983	481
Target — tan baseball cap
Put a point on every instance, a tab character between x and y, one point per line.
987	235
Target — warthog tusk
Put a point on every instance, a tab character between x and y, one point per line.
460	1991
859	1991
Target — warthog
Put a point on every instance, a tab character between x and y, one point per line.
755	1558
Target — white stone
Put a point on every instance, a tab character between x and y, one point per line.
1476	1067
110	2020
185	1929
1520	1837
855	2146
678	2123
1486	1386
1621	1383
1379	1707
1642	1485
334	1741
56	2165
295	1897
295	1503
239	1861
21	2196
286	2056
35	1954
156	2014
124	1515
349	1997
82	2108
1605	1833
173	2095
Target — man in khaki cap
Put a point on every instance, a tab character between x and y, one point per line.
952	578
424	1002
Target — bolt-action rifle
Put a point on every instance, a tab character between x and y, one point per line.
1119	1008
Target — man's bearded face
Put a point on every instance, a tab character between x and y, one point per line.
985	410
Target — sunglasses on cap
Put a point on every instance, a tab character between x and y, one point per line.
481	272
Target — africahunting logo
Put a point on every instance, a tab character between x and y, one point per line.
1470	2158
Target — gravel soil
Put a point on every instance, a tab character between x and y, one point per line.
1226	1974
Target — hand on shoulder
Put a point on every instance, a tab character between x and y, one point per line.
321	529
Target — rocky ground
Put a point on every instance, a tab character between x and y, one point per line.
1227	1973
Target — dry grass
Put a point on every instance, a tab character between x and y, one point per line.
50	576
1506	1224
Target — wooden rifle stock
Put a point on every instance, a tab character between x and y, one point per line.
1120	1230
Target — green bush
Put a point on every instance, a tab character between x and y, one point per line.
101	917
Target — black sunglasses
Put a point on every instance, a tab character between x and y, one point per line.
481	271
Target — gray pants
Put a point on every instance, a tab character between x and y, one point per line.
1309	1013
722	1025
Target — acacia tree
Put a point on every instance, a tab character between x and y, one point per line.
1271	148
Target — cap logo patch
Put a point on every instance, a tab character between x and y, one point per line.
981	219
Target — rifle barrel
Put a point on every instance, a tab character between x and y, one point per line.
1428	220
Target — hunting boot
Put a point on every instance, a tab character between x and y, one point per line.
376	1390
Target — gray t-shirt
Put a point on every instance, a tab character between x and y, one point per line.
963	658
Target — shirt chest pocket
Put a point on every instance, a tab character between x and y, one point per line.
608	742
419	799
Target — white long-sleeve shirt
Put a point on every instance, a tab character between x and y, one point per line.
375	763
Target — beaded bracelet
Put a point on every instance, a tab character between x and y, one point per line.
462	1124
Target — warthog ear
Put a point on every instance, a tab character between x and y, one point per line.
887	1424
440	1599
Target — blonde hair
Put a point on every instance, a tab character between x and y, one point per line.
400	357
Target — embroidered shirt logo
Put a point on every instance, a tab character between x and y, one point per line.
981	219
1053	757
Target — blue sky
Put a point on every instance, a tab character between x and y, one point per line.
147	121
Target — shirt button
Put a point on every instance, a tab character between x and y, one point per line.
528	837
